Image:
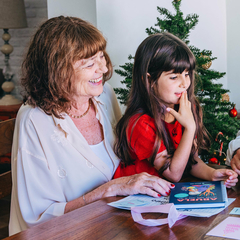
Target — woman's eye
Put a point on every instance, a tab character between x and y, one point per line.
173	77
91	65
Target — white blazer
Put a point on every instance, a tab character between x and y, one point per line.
52	162
232	146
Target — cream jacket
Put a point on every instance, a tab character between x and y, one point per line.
52	162
232	146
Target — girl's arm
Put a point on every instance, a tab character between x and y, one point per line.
180	158
203	171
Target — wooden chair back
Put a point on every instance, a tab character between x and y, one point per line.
6	139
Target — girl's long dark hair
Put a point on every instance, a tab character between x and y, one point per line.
156	54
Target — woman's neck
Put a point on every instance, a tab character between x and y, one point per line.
80	106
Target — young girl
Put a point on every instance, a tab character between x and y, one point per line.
162	130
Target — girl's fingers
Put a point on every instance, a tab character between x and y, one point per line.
234	180
231	174
230	184
184	99
172	111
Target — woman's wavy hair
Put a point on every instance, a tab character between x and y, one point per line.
47	70
156	54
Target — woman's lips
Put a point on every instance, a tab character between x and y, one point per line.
96	81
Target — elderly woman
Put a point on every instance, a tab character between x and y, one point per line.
62	155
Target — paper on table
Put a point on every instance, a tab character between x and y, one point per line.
204	212
138	200
144	200
228	228
235	211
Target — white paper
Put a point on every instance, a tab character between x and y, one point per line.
228	228
204	212
235	211
144	200
138	200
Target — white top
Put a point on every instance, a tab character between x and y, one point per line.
52	162
101	151
232	146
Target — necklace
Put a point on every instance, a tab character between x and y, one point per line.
80	116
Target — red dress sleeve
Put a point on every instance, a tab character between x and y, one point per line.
141	135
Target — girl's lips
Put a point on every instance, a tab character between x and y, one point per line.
178	94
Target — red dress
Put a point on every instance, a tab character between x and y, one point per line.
142	141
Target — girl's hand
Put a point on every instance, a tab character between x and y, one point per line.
184	115
142	183
227	175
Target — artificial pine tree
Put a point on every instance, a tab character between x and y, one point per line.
221	127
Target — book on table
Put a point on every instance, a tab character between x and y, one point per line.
206	194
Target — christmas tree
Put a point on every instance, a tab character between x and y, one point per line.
213	98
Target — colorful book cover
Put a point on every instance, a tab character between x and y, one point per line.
199	194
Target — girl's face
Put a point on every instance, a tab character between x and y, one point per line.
89	75
172	85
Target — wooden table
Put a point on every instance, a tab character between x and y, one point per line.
100	221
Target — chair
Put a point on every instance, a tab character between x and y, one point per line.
6	138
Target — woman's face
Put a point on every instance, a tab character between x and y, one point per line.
172	85
89	75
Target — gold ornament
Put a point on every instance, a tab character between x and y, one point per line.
208	64
225	97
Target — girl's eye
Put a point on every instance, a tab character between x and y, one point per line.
102	56
173	77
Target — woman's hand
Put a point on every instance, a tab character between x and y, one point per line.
184	115
143	183
227	175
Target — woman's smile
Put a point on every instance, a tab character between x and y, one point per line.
96	81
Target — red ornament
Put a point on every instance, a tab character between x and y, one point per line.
233	112
213	160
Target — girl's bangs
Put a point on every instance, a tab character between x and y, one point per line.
182	60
